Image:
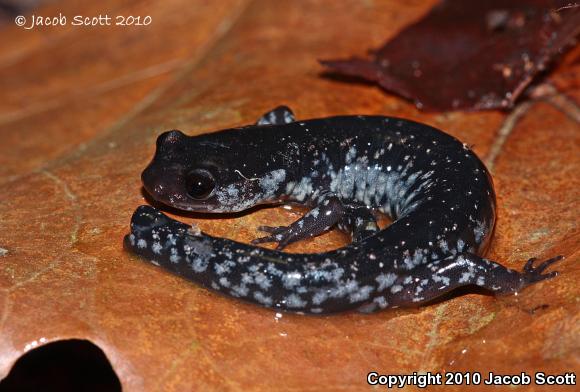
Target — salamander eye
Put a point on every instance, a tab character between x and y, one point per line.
199	184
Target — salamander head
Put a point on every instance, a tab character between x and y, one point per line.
210	173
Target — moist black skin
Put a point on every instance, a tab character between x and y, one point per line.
438	193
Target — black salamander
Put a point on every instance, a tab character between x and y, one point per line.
438	194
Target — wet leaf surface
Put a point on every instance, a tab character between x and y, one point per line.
71	157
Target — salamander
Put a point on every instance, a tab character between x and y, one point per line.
346	169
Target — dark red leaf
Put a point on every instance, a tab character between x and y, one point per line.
470	55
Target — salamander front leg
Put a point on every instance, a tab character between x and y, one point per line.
329	211
277	116
437	278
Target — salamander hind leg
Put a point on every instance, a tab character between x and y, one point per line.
432	280
277	116
531	274
328	212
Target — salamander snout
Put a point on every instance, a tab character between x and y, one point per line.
167	184
177	175
152	179
163	177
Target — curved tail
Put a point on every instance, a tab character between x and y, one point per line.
309	283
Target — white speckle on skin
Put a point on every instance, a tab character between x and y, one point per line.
302	189
443	246
350	155
241	291
273	270
247	278
294	301
381	301
341	291
156	248
174	257
289	187
141	243
291	279
171	240
396	288
271	181
222	268
199	265
361	295
319	297
263	281
480	231
465	277
440	278
385	280
263	299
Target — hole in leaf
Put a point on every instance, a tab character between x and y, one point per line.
66	365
